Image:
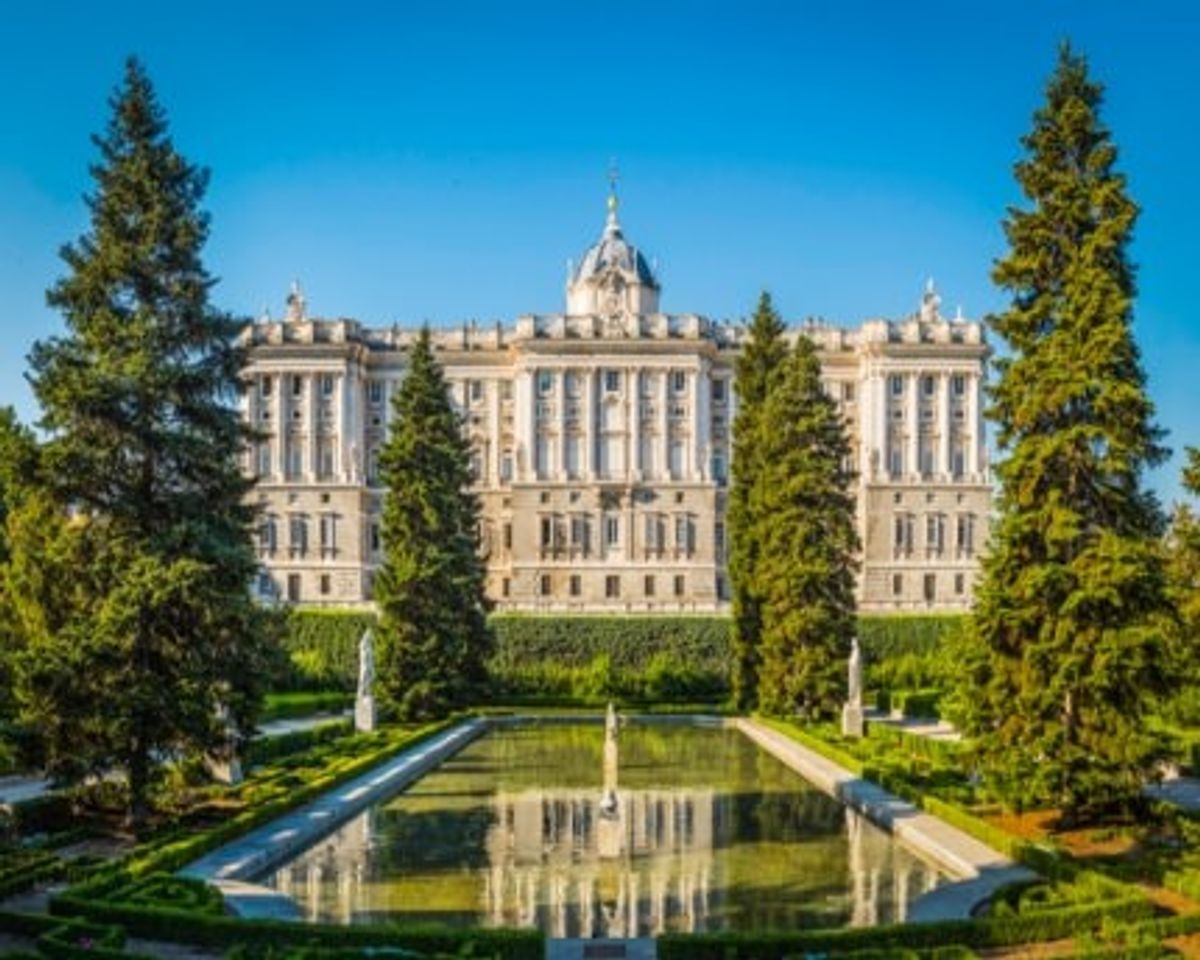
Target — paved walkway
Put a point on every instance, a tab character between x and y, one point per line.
249	856
18	789
982	869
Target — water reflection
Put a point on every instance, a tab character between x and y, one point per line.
680	829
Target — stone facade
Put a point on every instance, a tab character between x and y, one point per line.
601	442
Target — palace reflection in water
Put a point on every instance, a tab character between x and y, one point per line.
690	829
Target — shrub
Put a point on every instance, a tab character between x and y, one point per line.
286	706
322	646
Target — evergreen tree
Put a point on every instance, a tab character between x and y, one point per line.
807	542
1183	576
1069	635
18	468
763	352
435	640
143	446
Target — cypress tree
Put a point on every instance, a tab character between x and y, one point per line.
807	542
435	639
1068	629
763	352
138	402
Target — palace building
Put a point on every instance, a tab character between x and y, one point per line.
601	442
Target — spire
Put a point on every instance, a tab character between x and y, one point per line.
612	226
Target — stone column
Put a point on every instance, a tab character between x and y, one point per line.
882	425
314	423
492	393
974	425
664	417
560	381
524	425
633	394
697	399
912	383
946	420
341	445
278	456
589	424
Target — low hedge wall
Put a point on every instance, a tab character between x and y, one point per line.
266	749
985	932
288	706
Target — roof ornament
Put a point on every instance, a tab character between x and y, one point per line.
612	226
930	302
265	316
296	304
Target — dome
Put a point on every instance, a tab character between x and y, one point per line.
613	252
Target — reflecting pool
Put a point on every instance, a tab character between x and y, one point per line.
672	827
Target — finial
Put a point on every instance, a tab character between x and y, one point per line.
930	302
265	316
614	174
295	302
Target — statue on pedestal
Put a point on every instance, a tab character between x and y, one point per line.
364	703
223	763
852	711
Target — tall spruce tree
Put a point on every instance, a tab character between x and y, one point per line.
806	540
435	640
138	402
1068	628
764	351
1183	576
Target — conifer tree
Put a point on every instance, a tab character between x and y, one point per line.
1183	576
807	542
763	351
1068	626
435	640
138	401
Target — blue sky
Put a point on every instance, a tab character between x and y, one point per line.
442	162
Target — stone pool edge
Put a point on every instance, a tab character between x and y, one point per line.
231	866
980	870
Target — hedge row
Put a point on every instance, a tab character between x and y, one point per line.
322	645
266	749
986	932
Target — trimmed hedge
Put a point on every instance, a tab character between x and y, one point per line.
322	646
288	706
986	932
266	749
894	635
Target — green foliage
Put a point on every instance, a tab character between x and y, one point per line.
267	749
434	637
322	649
1069	650
138	402
762	353
286	706
806	541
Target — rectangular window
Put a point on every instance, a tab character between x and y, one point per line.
476	391
959	384
719	391
966	534
928	385
959	463
325	584
902	534
612	531
718	467
545	383
685	534
572	448
580	533
930	588
576	585
896	385
264	387
897	584
544	585
675	459
959	584
612	381
505	587
297	535
612	587
680	584
722	589
678	381
326	472
848	392
375	392
508	536
719	541
293	588
375	538
547	533
295	458
373	466
327	385
264	459
505	389
648	585
506	467
896	460
926	456
297	385
571	383
935	533
328	528
542	451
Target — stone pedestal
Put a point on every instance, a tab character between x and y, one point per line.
364	714
852	720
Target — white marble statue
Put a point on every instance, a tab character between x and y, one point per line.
364	704
854	668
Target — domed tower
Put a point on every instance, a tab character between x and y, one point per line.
613	278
